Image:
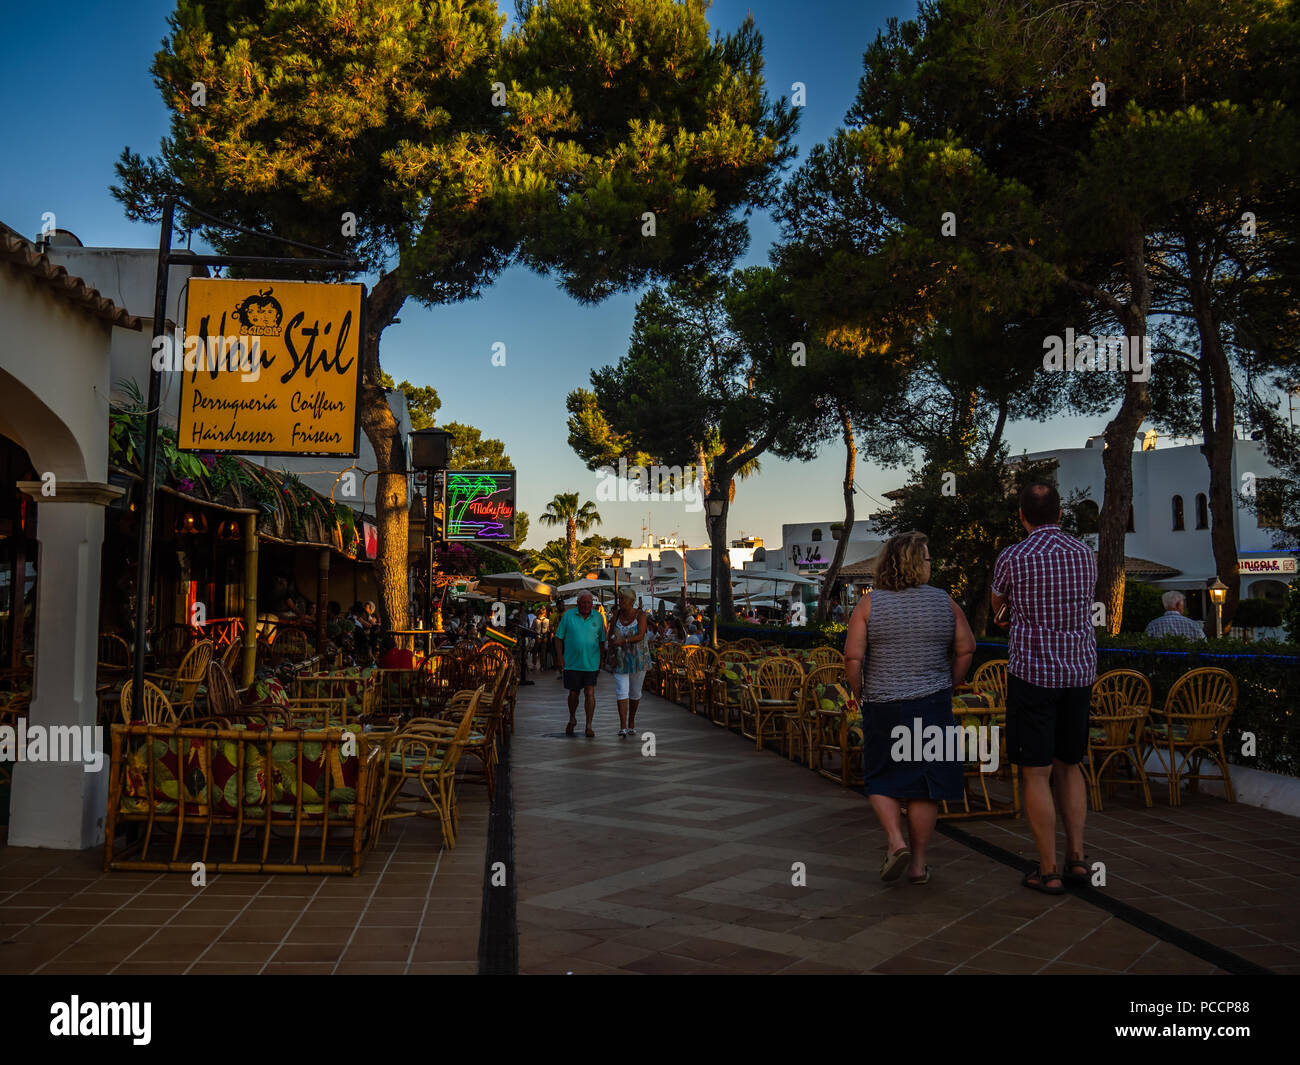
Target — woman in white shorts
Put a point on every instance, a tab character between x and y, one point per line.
632	658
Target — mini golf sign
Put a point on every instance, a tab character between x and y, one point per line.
480	505
271	367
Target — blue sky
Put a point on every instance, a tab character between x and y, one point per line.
75	88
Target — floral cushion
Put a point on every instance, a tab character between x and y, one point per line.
835	698
324	771
1162	732
267	692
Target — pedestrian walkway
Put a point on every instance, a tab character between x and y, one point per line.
707	856
414	908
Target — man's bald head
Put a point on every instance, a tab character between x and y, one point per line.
1040	504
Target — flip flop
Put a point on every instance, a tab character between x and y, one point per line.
590	733
894	864
568	729
923	879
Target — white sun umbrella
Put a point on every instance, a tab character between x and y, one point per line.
517	586
585	584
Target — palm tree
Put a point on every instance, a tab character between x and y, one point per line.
552	565
564	510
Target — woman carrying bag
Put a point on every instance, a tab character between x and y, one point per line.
631	653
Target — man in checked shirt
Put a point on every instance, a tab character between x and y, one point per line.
1048	580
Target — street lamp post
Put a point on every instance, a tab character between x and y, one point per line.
616	561
713	505
1218	593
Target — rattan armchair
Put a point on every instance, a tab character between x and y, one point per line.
1190	729
114	655
1121	701
771	698
423	758
182	686
991	679
700	663
799	726
154	708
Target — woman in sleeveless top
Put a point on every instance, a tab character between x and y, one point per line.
917	645
632	659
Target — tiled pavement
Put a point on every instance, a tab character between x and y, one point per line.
682	863
414	908
677	863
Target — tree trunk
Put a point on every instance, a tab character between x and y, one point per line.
720	593
1220	438
381	429
571	545
850	462
1117	458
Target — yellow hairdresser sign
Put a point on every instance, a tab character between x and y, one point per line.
271	367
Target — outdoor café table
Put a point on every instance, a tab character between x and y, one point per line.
426	634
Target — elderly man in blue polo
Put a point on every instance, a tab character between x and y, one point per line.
579	642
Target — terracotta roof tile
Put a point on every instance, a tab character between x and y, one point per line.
16	250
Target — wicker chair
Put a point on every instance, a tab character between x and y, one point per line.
223	699
724	694
1121	701
290	646
155	709
799	728
825	656
673	670
991	678
114	655
426	755
233	655
773	695
182	686
834	754
173	644
700	663
1190	730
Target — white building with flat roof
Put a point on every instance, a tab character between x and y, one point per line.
1171	518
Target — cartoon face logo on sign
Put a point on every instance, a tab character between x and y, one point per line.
260	314
300	397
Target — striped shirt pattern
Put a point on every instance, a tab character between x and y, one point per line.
909	644
1049	579
1172	623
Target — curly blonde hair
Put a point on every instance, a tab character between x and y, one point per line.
901	562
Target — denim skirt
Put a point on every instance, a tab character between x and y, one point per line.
893	761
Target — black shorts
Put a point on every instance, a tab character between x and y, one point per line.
577	679
1046	723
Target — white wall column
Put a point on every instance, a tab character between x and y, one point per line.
59	804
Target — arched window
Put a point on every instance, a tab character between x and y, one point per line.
1202	511
816	535
1178	513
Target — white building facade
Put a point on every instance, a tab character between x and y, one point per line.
1171	520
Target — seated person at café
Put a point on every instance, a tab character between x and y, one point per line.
393	657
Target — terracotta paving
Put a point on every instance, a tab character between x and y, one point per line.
684	862
680	862
414	908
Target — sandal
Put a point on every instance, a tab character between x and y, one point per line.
924	878
590	733
568	729
1078	878
894	864
1037	880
